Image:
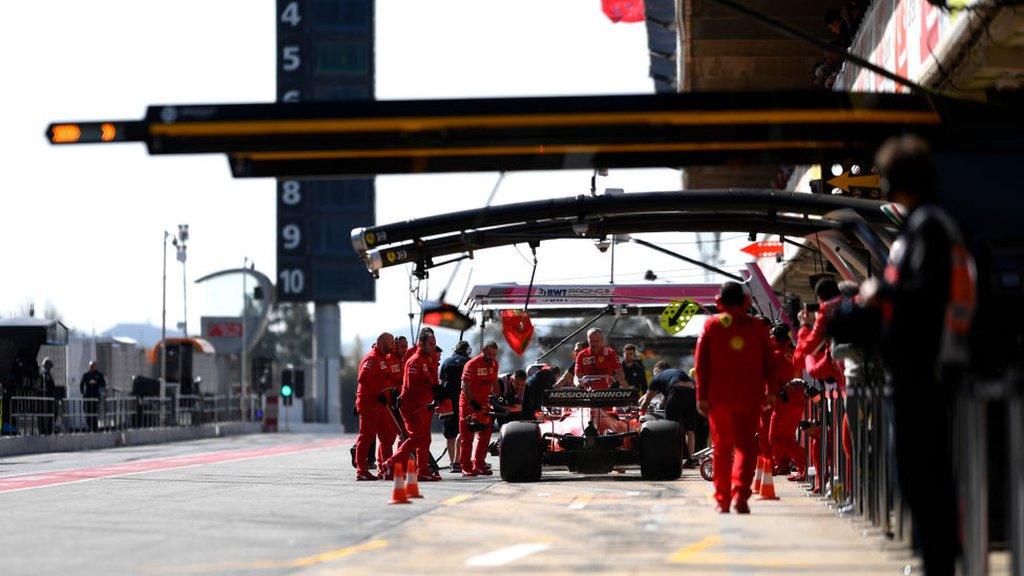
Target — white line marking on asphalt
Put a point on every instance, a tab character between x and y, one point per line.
503	556
581	501
631	493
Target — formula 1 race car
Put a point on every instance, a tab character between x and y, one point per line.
590	432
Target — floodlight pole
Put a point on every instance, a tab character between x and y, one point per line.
182	257
243	356
163	336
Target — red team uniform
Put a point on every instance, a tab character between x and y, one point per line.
419	379
388	433
732	366
373	377
481	373
786	415
604	363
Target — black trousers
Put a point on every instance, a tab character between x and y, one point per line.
924	439
91	406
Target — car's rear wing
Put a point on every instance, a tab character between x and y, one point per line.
576	397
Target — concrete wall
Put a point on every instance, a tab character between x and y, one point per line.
18	445
205	366
120	361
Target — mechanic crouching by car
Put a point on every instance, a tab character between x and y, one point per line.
533	397
372	379
680	395
513	392
419	386
479	376
732	364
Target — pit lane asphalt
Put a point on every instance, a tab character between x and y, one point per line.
303	513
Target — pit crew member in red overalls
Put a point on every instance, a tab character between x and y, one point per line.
479	377
373	377
418	385
388	433
732	363
789	406
598	366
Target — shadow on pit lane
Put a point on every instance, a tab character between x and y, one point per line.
627	478
794	568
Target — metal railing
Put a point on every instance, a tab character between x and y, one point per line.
32	415
864	486
856	474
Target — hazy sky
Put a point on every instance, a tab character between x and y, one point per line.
82	226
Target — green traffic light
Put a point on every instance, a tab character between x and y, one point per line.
286	390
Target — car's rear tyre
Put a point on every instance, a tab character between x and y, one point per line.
520	452
661	450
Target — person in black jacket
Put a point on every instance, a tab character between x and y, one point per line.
928	297
513	392
541	380
633	368
49	391
93	387
451	385
680	401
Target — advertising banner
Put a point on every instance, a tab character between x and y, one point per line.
904	36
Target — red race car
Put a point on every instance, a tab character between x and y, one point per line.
590	432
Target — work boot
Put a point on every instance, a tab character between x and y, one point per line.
363	476
429	477
723	508
469	473
455	468
352	451
741	507
483	472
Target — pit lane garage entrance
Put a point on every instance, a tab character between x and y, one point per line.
596	430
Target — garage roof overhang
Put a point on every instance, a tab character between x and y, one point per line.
378	137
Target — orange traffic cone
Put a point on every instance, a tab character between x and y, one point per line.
767	486
412	486
398	495
758	475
